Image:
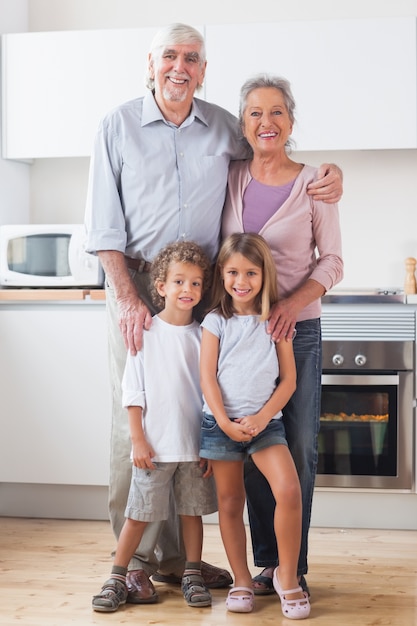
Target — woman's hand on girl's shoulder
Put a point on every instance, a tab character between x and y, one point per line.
282	320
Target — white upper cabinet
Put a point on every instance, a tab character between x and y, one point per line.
58	85
354	80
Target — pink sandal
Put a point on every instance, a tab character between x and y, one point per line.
293	609
242	602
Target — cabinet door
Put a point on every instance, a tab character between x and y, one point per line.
354	80
58	85
55	403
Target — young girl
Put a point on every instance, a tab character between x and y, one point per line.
246	381
161	390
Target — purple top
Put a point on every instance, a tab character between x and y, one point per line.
261	201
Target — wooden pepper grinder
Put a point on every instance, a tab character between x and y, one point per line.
410	285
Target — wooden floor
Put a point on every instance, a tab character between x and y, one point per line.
49	570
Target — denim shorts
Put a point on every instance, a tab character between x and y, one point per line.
216	445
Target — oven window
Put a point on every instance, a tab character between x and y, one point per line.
358	430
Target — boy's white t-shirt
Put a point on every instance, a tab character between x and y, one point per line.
164	379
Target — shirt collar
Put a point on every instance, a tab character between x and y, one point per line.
152	113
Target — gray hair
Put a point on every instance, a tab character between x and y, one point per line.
172	34
276	82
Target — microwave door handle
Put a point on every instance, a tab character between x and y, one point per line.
76	250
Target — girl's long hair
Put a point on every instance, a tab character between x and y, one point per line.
254	248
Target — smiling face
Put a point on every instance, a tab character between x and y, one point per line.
177	72
266	121
183	287
242	280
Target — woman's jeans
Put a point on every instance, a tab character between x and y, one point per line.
302	422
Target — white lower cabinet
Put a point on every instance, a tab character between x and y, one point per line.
55	405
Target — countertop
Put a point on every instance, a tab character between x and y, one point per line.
42	295
70	294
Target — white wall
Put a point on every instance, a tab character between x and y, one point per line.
14	177
378	210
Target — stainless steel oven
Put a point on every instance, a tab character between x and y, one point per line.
366	438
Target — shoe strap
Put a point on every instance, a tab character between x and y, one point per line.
248	590
284	592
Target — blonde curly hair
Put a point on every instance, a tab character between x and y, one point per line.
178	252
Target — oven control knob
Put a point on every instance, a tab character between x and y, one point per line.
337	359
360	359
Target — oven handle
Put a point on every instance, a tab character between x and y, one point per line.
364	379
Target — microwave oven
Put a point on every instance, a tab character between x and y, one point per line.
47	255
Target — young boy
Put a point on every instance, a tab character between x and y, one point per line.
161	390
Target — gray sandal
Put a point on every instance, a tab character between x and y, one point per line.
195	591
112	595
266	582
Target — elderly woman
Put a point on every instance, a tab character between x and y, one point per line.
268	195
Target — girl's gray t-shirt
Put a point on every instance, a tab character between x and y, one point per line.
248	364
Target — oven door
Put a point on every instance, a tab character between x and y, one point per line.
365	438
